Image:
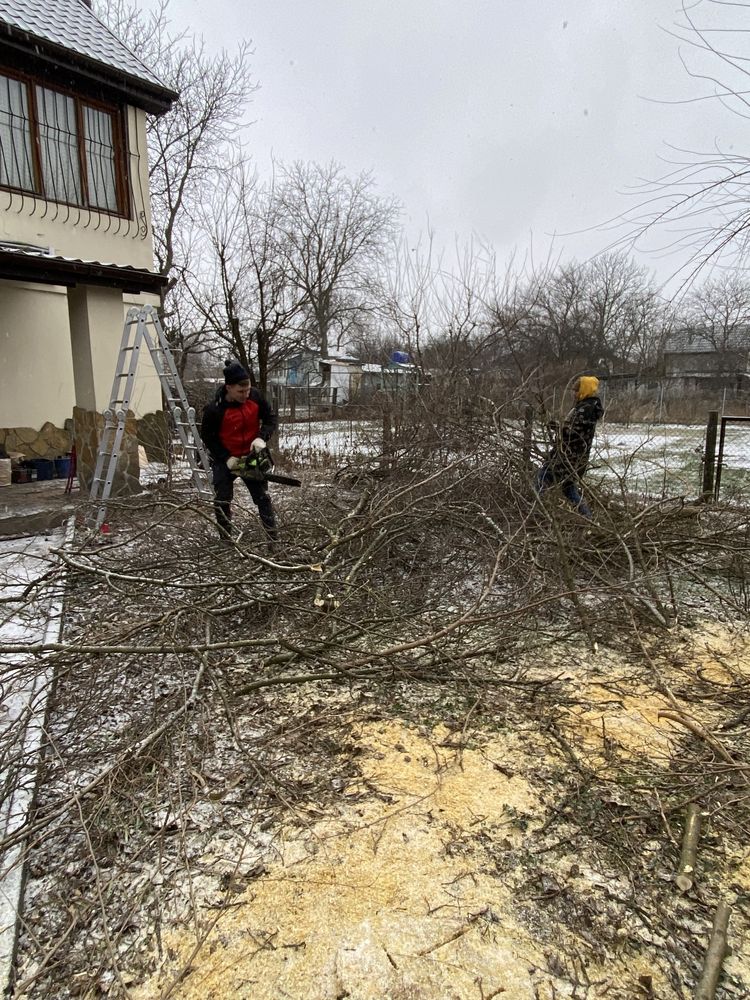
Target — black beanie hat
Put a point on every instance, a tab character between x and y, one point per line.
234	373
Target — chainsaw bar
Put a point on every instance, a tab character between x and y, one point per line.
256	467
255	475
283	480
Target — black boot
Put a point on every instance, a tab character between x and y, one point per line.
224	521
268	519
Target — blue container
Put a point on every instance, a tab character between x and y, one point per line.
45	468
62	468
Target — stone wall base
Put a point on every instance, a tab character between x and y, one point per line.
47	442
155	434
152	431
87	429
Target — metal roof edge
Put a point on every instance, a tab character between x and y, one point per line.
154	98
45	268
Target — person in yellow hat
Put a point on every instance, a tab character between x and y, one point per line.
567	462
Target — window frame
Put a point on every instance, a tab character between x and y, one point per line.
119	132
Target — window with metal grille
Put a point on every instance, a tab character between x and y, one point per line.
60	146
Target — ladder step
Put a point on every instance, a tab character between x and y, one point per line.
143	326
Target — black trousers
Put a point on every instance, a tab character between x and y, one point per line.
223	481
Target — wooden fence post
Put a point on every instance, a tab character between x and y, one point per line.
709	456
387	439
528	427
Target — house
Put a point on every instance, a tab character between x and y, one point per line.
394	377
692	363
76	245
333	378
341	377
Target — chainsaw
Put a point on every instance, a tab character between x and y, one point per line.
258	466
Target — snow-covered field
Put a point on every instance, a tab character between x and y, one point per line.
657	459
329	440
661	460
27	615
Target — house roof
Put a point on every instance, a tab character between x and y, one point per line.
688	342
49	269
71	27
339	359
697	342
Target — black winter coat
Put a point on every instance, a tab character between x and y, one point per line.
213	415
570	455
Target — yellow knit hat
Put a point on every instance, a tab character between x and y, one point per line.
588	385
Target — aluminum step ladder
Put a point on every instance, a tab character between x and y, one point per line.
143	327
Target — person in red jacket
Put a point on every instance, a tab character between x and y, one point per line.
238	422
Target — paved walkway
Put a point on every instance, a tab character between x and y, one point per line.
26	682
34	508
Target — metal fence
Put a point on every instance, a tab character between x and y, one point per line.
648	459
732	482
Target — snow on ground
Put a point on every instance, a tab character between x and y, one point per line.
653	459
322	440
665	459
27	617
661	459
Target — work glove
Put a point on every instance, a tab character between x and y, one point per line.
258	444
232	463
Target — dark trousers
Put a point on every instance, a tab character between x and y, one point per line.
569	488
223	481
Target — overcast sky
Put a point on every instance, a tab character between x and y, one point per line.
515	120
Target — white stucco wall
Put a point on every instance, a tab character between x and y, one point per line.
341	380
84	234
147	396
36	369
36	360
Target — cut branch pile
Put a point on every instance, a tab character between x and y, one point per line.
205	695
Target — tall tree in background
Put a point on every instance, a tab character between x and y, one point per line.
241	286
185	145
604	312
719	311
334	233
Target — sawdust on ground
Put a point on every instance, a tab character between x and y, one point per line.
394	895
386	899
631	721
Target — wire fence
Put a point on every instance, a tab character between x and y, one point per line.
654	456
733	460
650	459
647	459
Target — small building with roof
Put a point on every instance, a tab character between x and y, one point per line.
693	362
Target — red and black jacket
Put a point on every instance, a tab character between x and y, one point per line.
230	428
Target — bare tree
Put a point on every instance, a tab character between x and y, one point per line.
334	233
700	202
185	145
615	287
241	286
719	312
603	312
648	322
